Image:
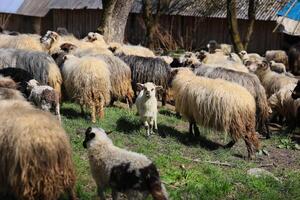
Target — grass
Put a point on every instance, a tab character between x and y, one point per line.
182	163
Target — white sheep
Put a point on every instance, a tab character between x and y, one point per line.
277	67
146	104
123	171
250	56
44	97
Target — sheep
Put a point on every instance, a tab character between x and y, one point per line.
218	59
250	56
20	76
282	103
277	56
216	104
87	82
53	42
35	154
6	82
146	104
39	64
130	50
126	172
22	41
251	83
271	81
96	38
296	91
8	93
294	59
149	69
44	97
277	67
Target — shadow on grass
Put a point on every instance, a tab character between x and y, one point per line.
186	140
71	113
127	125
170	113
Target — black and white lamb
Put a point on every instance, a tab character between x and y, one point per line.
126	172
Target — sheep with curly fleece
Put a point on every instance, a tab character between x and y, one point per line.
39	64
271	80
44	97
123	171
35	154
147	69
248	81
87	82
146	104
217	104
29	42
282	103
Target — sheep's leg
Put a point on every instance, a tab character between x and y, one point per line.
100	111
230	144
147	128
100	192
151	126
164	98
57	112
115	195
155	124
72	194
82	110
196	130
249	141
191	133
93	113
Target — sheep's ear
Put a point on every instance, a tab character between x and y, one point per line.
54	35
92	135
65	57
140	86
88	130
112	49
157	88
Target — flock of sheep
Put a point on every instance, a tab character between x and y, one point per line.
213	88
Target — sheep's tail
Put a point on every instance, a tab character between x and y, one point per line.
158	190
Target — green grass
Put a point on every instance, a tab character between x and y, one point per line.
182	164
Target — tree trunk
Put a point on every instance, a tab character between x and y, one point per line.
114	19
151	21
233	25
251	20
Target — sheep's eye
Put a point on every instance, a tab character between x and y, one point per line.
152	89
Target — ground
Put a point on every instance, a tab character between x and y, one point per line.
190	170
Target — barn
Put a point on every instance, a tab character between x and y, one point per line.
189	28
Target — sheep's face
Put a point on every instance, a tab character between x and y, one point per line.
94	135
49	38
296	92
149	89
91	37
243	53
31	84
68	47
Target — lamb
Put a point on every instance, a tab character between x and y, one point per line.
130	50
39	64
35	154
44	97
251	83
87	82
277	67
296	91
277	56
146	104
148	70
271	81
216	104
20	76
282	103
126	172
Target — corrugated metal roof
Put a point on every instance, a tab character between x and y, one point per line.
75	4
267	9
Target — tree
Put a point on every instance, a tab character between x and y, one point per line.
114	19
233	24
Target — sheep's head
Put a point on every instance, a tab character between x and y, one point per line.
49	38
31	84
93	135
296	92
149	89
243	53
68	47
212	46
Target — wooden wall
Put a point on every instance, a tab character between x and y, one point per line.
190	32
